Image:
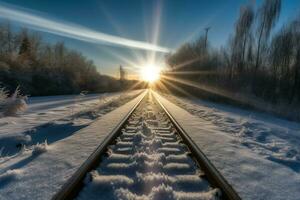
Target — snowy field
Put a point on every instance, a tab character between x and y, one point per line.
258	153
40	173
47	121
46	115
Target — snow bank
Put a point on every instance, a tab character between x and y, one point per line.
261	133
257	153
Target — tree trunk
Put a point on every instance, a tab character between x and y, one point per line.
296	77
258	47
244	50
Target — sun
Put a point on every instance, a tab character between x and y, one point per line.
150	73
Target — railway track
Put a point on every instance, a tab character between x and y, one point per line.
147	156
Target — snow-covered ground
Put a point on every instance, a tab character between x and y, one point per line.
47	115
38	171
258	153
50	119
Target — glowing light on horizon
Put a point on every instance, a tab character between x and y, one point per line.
72	30
150	73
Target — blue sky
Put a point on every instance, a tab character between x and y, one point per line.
165	23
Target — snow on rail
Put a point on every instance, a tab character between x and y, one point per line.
148	161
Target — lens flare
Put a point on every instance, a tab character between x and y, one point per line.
66	29
150	73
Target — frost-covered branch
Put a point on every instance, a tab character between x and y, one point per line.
10	106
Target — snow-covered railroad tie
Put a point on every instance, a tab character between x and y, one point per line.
147	157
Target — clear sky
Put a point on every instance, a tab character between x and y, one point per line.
165	24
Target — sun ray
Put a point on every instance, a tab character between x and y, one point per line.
215	91
156	28
199	72
185	63
176	88
135	86
161	87
201	87
130	64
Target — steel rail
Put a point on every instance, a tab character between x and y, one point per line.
72	187
213	175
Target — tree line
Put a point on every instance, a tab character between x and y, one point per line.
40	68
256	62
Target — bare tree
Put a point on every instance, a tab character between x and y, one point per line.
6	39
241	37
268	15
296	66
281	57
